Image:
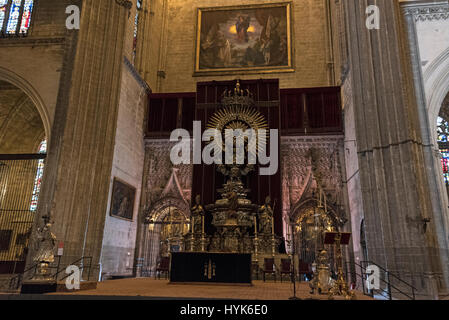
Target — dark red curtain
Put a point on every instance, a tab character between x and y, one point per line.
169	111
311	111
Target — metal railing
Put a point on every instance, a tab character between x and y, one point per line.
20	180
80	263
17	280
390	284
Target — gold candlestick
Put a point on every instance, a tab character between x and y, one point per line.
325	203
340	286
255	226
192	241
319	203
202	224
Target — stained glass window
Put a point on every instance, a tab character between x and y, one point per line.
2	12
136	25
26	16
443	143
15	16
38	178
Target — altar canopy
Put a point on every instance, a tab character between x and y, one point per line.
206	179
302	111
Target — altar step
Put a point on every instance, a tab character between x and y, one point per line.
150	288
84	285
36	287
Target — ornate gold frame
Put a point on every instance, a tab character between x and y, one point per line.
231	71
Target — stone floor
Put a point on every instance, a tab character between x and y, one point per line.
162	289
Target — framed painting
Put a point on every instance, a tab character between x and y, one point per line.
122	201
250	38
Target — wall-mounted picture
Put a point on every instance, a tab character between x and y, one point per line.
122	202
244	38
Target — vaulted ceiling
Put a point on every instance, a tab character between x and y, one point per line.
21	128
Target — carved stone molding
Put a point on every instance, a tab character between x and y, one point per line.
125	3
307	162
427	12
136	75
30	41
161	176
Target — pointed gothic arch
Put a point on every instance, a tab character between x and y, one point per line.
311	221
165	221
32	93
436	84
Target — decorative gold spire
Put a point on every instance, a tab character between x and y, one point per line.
238	113
238	96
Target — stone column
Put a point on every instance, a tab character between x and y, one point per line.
395	190
430	148
76	189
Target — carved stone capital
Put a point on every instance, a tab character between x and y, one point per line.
427	12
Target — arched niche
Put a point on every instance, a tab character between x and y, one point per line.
165	224
311	220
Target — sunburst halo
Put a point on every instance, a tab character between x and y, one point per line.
240	117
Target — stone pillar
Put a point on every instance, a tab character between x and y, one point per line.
395	191
430	148
80	159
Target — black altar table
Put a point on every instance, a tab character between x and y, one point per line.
206	267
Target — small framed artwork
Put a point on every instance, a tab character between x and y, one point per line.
122	201
251	38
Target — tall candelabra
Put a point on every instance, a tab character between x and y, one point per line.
340	286
293	252
256	241
203	238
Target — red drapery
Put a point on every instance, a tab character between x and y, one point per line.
311	111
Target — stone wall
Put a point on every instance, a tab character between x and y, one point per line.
433	37
167	43
119	237
352	182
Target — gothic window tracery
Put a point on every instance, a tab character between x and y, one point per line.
15	16
38	177
443	145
